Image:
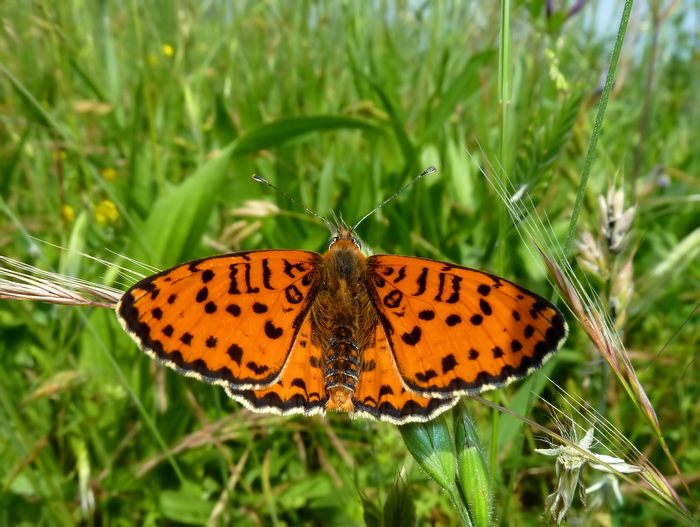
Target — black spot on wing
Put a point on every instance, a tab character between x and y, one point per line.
393	299
401	275
293	295
233	288
291	269
256	368
259	308
453	320
448	363
202	295
235	353
299	383
426	314
426	375
413	337
421	281
485	307
267	273
368	366
234	309
454	297
273	331
385	390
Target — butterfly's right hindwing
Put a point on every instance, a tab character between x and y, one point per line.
229	320
381	393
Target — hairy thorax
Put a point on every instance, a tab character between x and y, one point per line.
343	321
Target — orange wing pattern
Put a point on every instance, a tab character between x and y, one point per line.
300	388
381	394
454	330
229	320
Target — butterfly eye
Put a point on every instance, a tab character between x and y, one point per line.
334	239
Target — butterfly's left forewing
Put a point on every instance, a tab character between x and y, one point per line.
229	320
454	330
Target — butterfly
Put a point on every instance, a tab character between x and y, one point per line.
391	338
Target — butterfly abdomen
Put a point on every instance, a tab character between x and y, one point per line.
342	322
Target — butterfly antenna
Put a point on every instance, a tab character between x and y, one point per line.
429	170
264	181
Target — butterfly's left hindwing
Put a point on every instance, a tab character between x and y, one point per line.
228	320
454	330
300	388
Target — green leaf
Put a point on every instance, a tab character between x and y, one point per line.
407	147
521	403
542	144
179	217
399	510
186	505
224	128
472	468
431	446
298	493
463	86
370	512
283	130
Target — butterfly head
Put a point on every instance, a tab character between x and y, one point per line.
344	235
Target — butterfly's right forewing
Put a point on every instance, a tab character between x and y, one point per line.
454	330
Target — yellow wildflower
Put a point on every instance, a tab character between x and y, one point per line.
106	212
168	50
67	213
109	174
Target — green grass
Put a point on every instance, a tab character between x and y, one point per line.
112	145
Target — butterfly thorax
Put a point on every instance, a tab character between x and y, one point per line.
343	320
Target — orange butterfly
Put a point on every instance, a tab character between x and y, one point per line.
393	338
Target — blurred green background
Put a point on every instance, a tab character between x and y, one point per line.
131	130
